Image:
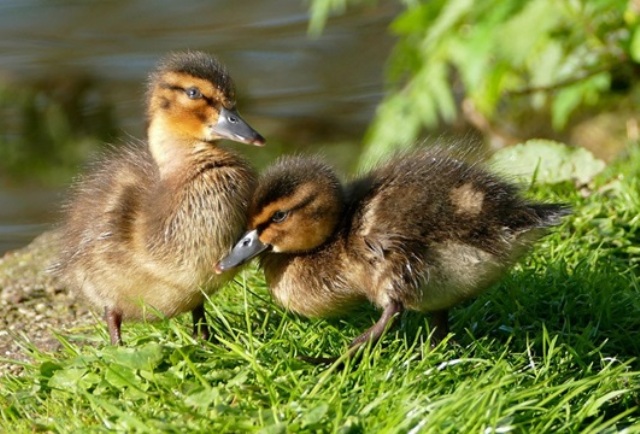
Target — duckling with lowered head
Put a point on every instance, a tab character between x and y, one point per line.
144	226
422	232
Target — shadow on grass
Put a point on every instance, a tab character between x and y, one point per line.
593	310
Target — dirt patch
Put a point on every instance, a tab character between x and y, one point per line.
34	304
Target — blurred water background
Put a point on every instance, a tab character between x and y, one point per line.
72	77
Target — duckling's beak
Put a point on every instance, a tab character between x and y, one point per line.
231	126
247	248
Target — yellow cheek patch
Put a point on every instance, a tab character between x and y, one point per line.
292	236
310	237
467	199
271	236
190	123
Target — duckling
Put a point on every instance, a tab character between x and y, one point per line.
144	226
422	232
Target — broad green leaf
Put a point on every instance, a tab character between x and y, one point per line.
121	376
315	415
144	357
67	379
547	162
134	394
204	398
73	379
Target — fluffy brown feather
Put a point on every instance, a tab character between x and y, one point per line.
423	231
145	224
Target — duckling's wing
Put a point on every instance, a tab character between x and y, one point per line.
427	197
404	200
105	203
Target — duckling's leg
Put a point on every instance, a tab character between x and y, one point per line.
373	334
200	325
439	322
114	321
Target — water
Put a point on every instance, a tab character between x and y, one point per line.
291	87
25	213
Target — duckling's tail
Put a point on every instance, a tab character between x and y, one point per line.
549	214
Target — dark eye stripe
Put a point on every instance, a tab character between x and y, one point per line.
210	101
304	202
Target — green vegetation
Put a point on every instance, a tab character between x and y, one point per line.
506	67
552	348
48	128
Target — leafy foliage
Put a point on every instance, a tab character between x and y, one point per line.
546	161
557	55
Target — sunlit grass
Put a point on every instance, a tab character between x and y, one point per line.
552	348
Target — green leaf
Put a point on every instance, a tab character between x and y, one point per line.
320	11
450	15
441	95
564	103
121	376
240	378
315	415
47	369
545	73
570	97
145	357
204	398
520	35
67	379
548	161
487	96
395	124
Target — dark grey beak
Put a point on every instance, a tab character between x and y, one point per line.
247	248
231	126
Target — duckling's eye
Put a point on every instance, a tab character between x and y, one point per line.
193	93
232	119
279	216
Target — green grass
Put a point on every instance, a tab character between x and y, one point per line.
550	349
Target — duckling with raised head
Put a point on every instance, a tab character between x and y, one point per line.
144	226
422	232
